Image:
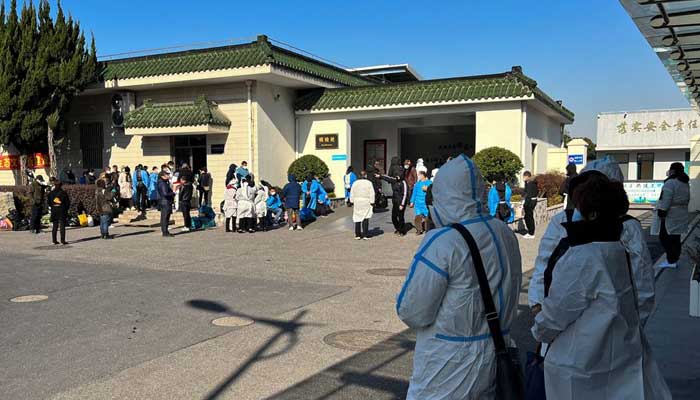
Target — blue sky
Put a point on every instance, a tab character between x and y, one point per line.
587	53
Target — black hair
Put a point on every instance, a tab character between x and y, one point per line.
598	197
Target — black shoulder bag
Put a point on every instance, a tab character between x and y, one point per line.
509	375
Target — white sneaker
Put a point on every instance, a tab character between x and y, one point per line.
299	228
358	238
528	236
366	238
185	229
291	228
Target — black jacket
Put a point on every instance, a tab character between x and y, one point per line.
205	180
292	193
399	189
104	198
165	192
185	193
59	203
530	192
38	193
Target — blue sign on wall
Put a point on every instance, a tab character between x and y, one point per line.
576	159
339	157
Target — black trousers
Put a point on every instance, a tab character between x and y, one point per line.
166	209
185	208
231	224
246	224
35	222
59	223
361	228
141	197
529	209
671	244
397	218
204	197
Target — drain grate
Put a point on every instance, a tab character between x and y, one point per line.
232	321
368	340
388	271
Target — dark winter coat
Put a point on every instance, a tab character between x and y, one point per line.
185	193
60	204
291	193
165	192
395	169
399	188
38	193
205	180
103	199
530	193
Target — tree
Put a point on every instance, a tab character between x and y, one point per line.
497	163
308	165
44	63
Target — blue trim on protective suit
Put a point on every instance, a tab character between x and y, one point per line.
405	285
432	266
467	338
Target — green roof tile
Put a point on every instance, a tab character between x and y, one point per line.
506	85
199	112
260	52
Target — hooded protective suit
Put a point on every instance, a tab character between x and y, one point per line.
261	201
230	202
632	238
674	199
496	193
420	166
362	197
245	196
440	299
590	318
314	189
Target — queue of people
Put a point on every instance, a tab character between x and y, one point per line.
591	293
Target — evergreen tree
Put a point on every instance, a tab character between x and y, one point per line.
44	64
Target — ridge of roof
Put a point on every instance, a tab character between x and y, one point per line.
258	52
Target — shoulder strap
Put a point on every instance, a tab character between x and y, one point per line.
569	215
489	306
558	253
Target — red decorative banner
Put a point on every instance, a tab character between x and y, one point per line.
10	162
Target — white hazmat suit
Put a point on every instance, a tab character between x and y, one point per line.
597	347
632	239
362	198
440	299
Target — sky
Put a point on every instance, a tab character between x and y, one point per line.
587	53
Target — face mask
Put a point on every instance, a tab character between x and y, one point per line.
407	166
577	216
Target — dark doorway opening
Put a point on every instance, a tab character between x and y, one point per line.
190	150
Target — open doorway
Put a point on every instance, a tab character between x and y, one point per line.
190	149
436	144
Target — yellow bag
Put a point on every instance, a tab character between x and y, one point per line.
83	219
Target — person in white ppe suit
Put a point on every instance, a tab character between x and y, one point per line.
671	213
597	348
455	356
632	238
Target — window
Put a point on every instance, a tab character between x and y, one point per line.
645	166
92	144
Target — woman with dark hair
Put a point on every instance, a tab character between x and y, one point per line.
230	174
671	219
589	316
59	203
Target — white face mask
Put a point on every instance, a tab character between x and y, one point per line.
407	166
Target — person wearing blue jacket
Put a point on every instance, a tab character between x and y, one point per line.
312	189
274	207
140	183
291	193
323	206
349	178
418	202
153	187
499	202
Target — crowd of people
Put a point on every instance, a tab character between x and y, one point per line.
591	293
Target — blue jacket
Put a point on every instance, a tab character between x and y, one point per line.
165	192
274	202
291	193
152	186
418	198
323	196
134	182
349	180
494	200
314	189
241	173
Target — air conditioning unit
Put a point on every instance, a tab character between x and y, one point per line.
122	103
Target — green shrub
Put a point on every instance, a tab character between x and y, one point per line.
548	186
82	197
497	163
308	165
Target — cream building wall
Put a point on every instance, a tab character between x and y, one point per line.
500	125
312	125
275	122
546	133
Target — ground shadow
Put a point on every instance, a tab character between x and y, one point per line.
378	373
288	329
117	236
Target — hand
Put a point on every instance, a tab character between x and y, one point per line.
400	208
536	309
412	205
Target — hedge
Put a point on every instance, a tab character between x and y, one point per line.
82	197
548	185
308	165
497	164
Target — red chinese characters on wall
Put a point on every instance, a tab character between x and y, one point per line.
10	162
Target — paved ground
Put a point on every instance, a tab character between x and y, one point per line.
130	318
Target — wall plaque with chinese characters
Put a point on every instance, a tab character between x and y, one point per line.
327	141
644	129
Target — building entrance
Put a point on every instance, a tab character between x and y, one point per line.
190	150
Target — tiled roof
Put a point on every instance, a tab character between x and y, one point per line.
511	84
259	52
199	112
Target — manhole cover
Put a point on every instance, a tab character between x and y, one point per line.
368	340
29	298
232	321
388	271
